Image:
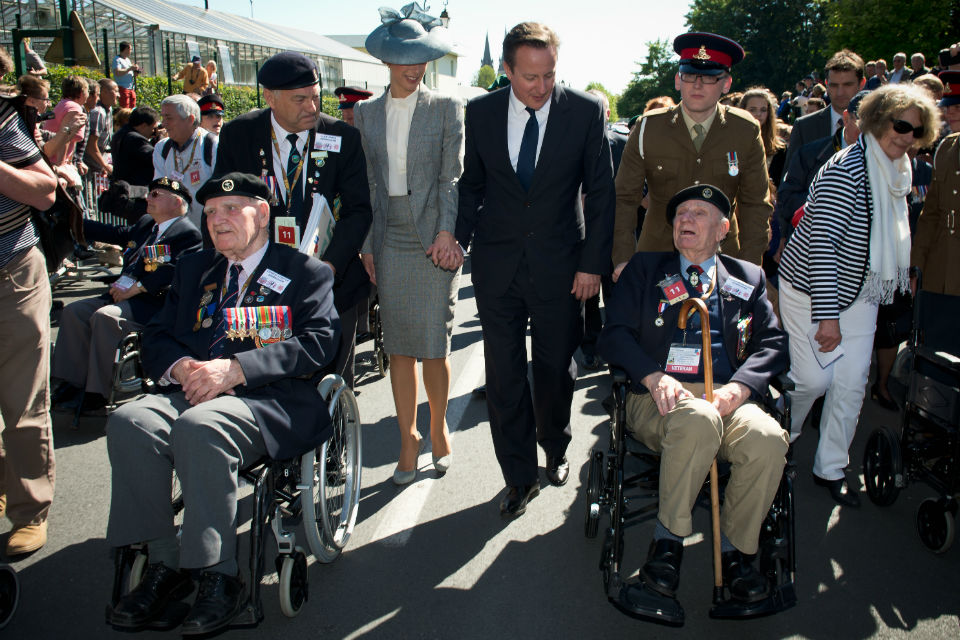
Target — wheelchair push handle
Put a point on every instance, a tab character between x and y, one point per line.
689	307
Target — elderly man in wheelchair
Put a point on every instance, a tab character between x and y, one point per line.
238	344
665	409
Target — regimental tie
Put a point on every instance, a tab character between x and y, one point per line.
229	298
293	160
695	276
527	159
701	135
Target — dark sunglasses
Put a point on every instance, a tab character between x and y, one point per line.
902	126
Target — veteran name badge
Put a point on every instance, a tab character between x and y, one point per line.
737	288
683	359
733	164
325	142
287	232
673	289
273	281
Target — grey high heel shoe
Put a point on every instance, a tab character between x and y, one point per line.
442	464
401	478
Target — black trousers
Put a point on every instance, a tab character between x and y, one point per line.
520	418
593	319
346	354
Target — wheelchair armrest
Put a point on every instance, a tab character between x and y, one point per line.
783	382
940	358
619	375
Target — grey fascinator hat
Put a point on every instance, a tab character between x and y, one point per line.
409	36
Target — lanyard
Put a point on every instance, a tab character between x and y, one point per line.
296	175
176	156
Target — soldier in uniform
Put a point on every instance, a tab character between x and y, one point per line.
349	96
695	142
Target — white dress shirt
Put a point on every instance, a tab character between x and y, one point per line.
280	160
399	116
163	226
517	118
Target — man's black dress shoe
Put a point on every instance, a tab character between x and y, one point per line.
160	585
744	581
839	491
219	600
662	569
515	502
558	470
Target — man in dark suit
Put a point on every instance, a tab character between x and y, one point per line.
240	344
537	255
91	328
664	406
326	160
132	149
844	76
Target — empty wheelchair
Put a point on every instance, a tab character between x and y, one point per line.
320	489
927	449
623	483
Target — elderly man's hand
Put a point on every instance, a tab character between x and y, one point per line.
585	285
729	397
665	391
204	381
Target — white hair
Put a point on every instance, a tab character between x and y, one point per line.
185	106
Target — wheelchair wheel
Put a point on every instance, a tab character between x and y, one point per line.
9	594
331	475
935	524
883	467
293	583
594	488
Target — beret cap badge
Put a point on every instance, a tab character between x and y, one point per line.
227	185
707	192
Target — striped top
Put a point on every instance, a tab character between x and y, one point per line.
19	150
827	256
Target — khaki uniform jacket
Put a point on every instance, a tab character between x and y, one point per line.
670	162
936	247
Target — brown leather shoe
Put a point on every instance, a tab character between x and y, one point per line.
26	538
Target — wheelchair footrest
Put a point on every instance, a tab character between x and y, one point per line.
780	599
251	616
640	602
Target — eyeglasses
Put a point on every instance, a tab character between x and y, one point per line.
902	126
690	78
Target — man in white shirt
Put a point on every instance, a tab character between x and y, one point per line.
189	152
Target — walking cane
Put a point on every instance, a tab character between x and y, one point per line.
685	311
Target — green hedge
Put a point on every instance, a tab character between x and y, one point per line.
152	89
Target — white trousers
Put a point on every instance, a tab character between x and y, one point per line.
843	380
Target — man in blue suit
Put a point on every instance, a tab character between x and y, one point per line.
531	149
239	346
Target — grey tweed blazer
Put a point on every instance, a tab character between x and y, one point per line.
434	164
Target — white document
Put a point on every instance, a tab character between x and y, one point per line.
319	229
824	359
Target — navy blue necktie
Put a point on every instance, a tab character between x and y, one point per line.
293	161
220	331
527	160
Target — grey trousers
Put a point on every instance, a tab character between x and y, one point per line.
90	330
208	444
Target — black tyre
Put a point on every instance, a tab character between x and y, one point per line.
591	520
935	524
883	467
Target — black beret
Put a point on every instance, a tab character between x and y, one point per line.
211	103
706	53
705	192
234	184
854	105
288	70
173	186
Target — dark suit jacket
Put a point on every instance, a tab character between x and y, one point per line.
792	192
807	129
182	236
545	225
245	145
132	157
630	339
281	377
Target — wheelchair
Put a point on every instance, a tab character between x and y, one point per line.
128	375
928	446
320	489
9	594
629	497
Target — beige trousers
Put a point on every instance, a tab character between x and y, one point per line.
26	445
688	439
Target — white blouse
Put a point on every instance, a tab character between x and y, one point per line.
399	115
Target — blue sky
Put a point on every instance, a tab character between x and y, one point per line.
603	45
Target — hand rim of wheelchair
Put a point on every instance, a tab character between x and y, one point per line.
883	467
935	523
9	594
329	520
292	573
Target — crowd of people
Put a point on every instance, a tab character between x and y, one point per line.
766	209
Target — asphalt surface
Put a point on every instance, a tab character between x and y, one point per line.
435	560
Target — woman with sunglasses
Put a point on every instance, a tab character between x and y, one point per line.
850	254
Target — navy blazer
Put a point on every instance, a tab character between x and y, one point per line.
546	225
632	341
246	145
792	193
281	378
807	129
182	236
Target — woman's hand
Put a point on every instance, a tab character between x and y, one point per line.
445	252
367	260
828	335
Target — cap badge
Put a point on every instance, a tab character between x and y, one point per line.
707	193
164	181
946	88
702	54
227	185
175	185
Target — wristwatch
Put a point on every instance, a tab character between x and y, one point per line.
139	285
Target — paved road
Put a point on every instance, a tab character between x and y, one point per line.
434	560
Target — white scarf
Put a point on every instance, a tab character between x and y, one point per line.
890	183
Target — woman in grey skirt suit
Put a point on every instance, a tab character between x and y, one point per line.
413	142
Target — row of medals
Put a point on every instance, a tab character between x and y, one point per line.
152	265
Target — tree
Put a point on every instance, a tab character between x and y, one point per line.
655	78
485	76
611	98
784	39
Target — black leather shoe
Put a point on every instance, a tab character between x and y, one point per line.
219	601
558	470
744	581
515	502
884	401
160	585
662	569
839	491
